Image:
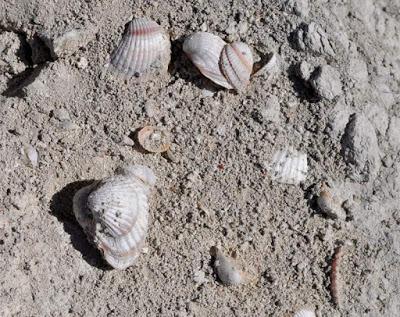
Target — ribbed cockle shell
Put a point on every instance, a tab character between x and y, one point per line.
304	313
143	44
204	50
113	213
236	64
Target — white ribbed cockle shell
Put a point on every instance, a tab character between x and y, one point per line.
236	64
228	65
143	44
113	213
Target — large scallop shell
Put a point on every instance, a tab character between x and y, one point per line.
204	50
289	167
113	213
143	43
236	64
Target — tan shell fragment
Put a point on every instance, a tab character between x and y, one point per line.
236	64
329	204
143	44
204	50
154	139
113	213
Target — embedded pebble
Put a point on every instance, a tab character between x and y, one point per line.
360	149
66	43
271	110
326	82
200	277
304	71
30	155
227	269
298	7
311	37
338	119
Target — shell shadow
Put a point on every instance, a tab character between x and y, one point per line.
61	208
181	67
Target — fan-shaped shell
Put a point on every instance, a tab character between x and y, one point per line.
204	50
114	214
236	64
143	43
304	313
289	167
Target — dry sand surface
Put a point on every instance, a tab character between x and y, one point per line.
332	97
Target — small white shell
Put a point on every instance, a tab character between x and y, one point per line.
289	167
142	45
30	155
113	213
227	269
304	313
236	64
204	50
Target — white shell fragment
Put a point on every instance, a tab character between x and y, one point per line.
304	313
227	269
204	50
144	43
113	213
237	64
289	167
30	155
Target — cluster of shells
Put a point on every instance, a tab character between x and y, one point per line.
114	212
146	46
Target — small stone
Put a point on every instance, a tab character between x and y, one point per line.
66	43
358	71
326	82
199	277
127	141
298	7
61	114
243	27
338	119
304	71
231	29
82	63
271	112
11	60
30	155
360	149
311	37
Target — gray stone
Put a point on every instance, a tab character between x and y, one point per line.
326	82
298	7
312	37
360	149
394	132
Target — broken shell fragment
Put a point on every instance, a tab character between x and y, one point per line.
143	44
329	204
227	269
237	64
113	213
304	313
30	155
204	50
289	167
154	139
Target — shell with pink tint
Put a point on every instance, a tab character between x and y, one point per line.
204	50
145	44
236	64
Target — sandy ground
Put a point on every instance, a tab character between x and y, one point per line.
334	97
